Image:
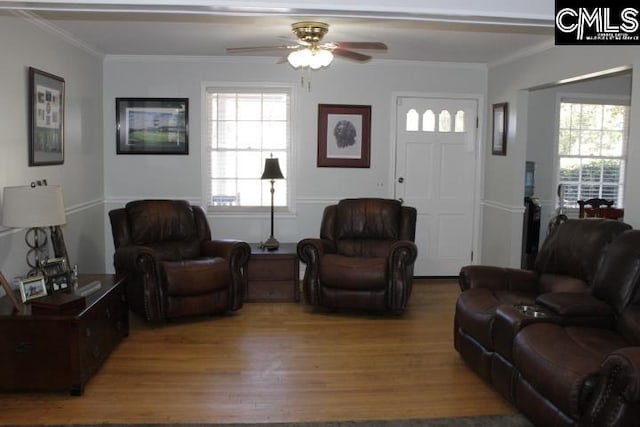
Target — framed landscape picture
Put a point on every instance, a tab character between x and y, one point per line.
46	118
152	125
344	136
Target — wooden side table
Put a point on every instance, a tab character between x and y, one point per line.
273	275
62	351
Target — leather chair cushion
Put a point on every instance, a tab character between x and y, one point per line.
574	249
368	219
176	251
160	220
476	307
354	273
557	360
560	283
196	277
366	248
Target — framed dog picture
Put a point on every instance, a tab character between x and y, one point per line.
344	136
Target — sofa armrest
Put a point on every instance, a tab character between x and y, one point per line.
497	278
125	259
616	398
142	266
310	252
402	256
237	254
578	309
228	249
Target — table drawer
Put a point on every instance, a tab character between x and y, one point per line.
278	290
272	269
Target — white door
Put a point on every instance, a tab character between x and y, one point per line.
435	173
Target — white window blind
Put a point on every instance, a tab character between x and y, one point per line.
245	128
592	148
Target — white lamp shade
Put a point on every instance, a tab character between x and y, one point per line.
27	207
314	59
321	58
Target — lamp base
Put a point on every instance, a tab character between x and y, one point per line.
271	244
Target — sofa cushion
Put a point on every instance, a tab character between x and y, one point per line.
476	307
368	219
575	247
196	277
557	361
353	273
176	250
160	220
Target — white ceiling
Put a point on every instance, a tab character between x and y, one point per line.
164	30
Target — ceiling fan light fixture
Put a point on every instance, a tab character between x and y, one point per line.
312	58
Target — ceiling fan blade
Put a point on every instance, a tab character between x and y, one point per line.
351	54
258	48
362	45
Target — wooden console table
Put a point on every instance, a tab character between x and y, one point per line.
62	351
273	275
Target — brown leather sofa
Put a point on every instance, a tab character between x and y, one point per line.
573	359
173	267
566	262
364	257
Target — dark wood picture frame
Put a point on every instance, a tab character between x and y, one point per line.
56	274
46	118
344	136
152	125
499	141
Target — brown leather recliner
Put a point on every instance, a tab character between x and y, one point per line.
364	257
173	268
566	262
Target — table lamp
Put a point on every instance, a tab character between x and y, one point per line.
271	172
33	207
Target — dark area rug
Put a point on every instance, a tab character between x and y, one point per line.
483	421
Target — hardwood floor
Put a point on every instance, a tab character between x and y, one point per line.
278	362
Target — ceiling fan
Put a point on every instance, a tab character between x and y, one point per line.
311	52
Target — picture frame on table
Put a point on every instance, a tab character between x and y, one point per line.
46	118
344	136
32	288
56	274
152	126
499	142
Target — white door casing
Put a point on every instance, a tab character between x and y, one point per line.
436	158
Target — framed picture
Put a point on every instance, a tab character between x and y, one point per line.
32	288
499	144
46	118
56	274
7	289
152	126
344	136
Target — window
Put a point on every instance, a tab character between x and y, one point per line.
429	121
592	147
244	128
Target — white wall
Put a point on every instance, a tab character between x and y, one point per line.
542	132
81	176
504	176
130	177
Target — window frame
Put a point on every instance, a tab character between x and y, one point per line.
289	173
595	99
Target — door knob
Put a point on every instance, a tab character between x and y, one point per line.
401	180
